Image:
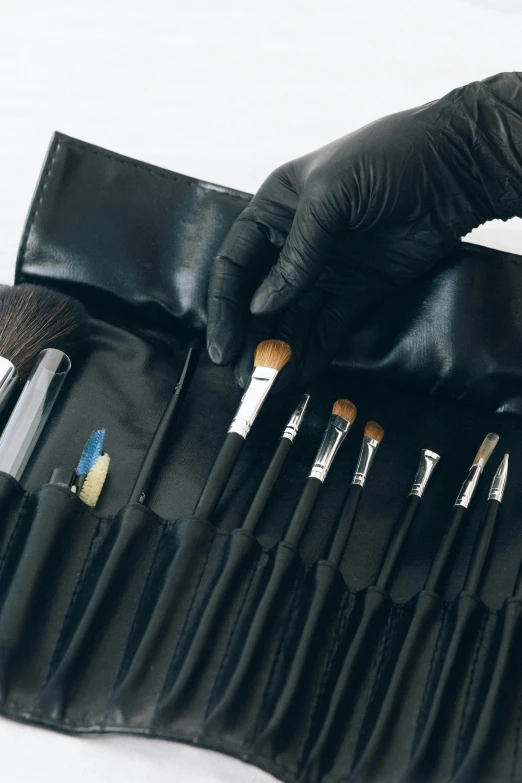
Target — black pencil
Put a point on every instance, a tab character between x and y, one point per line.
148	470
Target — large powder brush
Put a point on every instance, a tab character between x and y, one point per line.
33	318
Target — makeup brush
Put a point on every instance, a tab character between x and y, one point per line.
272	472
73	479
93	449
94	481
164	429
270	358
427	465
342	418
373	435
33	318
483	541
447	548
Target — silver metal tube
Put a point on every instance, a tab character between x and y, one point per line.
9	379
498	485
32	410
366	456
468	488
334	434
260	383
428	463
295	420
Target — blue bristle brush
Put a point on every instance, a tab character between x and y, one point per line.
93	449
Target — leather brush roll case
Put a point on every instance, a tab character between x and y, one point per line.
151	621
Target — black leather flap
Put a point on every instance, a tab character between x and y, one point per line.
147	236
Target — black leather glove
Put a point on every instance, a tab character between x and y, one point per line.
330	234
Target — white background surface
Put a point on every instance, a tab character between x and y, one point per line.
224	90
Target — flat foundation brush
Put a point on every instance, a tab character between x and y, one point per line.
270	358
427	465
483	541
373	435
33	318
447	549
272	472
342	418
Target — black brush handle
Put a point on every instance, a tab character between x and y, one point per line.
148	470
346	520
481	548
396	541
446	552
303	511
219	475
517	592
267	484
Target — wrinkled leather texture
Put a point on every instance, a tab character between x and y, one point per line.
154	622
333	234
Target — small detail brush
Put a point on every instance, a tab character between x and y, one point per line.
483	541
94	481
447	548
93	449
373	435
270	358
272	472
342	418
33	318
164	429
428	463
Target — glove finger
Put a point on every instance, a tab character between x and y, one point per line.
241	262
301	260
330	330
293	327
259	328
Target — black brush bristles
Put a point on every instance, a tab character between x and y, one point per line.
32	318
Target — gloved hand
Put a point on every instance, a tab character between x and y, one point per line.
330	234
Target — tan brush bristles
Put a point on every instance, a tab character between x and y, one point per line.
486	448
374	431
272	353
345	409
93	484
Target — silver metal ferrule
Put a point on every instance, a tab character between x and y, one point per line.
366	456
498	484
8	381
468	488
334	434
260	383
295	420
427	464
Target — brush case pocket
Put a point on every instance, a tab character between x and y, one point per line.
151	621
180	630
